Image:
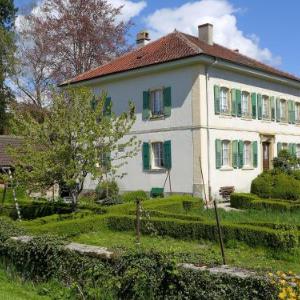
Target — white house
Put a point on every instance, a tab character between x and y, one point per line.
209	115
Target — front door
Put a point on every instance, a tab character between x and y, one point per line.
266	156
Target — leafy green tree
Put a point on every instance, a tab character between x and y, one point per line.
286	162
80	135
7	49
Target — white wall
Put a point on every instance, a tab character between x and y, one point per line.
234	128
176	128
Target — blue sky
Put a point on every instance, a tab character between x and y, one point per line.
266	30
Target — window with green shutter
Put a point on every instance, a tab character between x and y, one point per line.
259	106
146	156
218	146
146	105
291	112
241	153
239	102
235	162
273	108
167	155
217	99
233	103
107	107
254	154
294	150
167	100
279	148
278	109
253	104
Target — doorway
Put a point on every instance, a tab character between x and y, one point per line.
266	156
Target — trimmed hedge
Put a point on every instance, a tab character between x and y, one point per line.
252	235
276	185
133	196
250	201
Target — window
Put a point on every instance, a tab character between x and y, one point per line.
284	146
298	151
226	154
156	101
266	108
298	113
157	155
224	100
247	154
283	110
246	108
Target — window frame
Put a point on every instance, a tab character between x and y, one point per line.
227	92
249	163
229	143
264	99
283	103
152	93
249	105
297	112
154	166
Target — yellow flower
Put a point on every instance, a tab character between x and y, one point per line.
282	282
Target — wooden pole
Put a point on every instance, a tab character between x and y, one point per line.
219	233
170	182
138	221
3	197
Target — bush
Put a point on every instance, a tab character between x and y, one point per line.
285	162
276	185
242	200
133	196
107	189
8	229
251	235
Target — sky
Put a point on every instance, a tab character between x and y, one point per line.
266	30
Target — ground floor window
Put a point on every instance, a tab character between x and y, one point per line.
157	154
226	153
247	154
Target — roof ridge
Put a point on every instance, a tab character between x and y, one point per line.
188	42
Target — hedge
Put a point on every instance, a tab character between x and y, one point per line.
250	201
252	235
133	196
136	275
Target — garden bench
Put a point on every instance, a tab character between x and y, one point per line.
156	192
226	191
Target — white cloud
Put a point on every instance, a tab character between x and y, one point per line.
221	14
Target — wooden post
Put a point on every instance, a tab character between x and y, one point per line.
170	182
219	233
3	197
138	221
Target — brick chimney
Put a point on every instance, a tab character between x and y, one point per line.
205	33
142	38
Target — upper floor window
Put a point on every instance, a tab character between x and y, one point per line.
224	100
246	107
156	100
297	112
283	110
266	108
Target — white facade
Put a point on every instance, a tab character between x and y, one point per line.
193	126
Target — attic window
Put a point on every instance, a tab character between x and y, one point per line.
139	57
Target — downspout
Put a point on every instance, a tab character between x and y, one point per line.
207	67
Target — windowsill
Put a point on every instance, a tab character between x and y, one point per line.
226	168
246	118
157	170
226	116
267	120
157	117
283	123
247	168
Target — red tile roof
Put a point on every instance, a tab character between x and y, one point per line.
174	46
7	141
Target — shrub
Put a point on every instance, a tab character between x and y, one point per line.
133	196
107	189
285	162
276	185
8	229
242	200
184	229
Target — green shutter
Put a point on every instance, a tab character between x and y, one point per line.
291	112
253	105
217	99
239	102
167	96
278	109
107	107
146	156
235	154
259	106
241	153
273	110
167	155
146	105
290	148
254	154
294	151
279	148
218	154
294	112
233	103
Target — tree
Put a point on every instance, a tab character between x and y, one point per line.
77	133
7	48
286	162
62	39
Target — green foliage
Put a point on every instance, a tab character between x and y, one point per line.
276	185
107	189
133	196
285	162
8	229
252	235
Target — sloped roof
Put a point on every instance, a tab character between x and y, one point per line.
174	46
7	141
